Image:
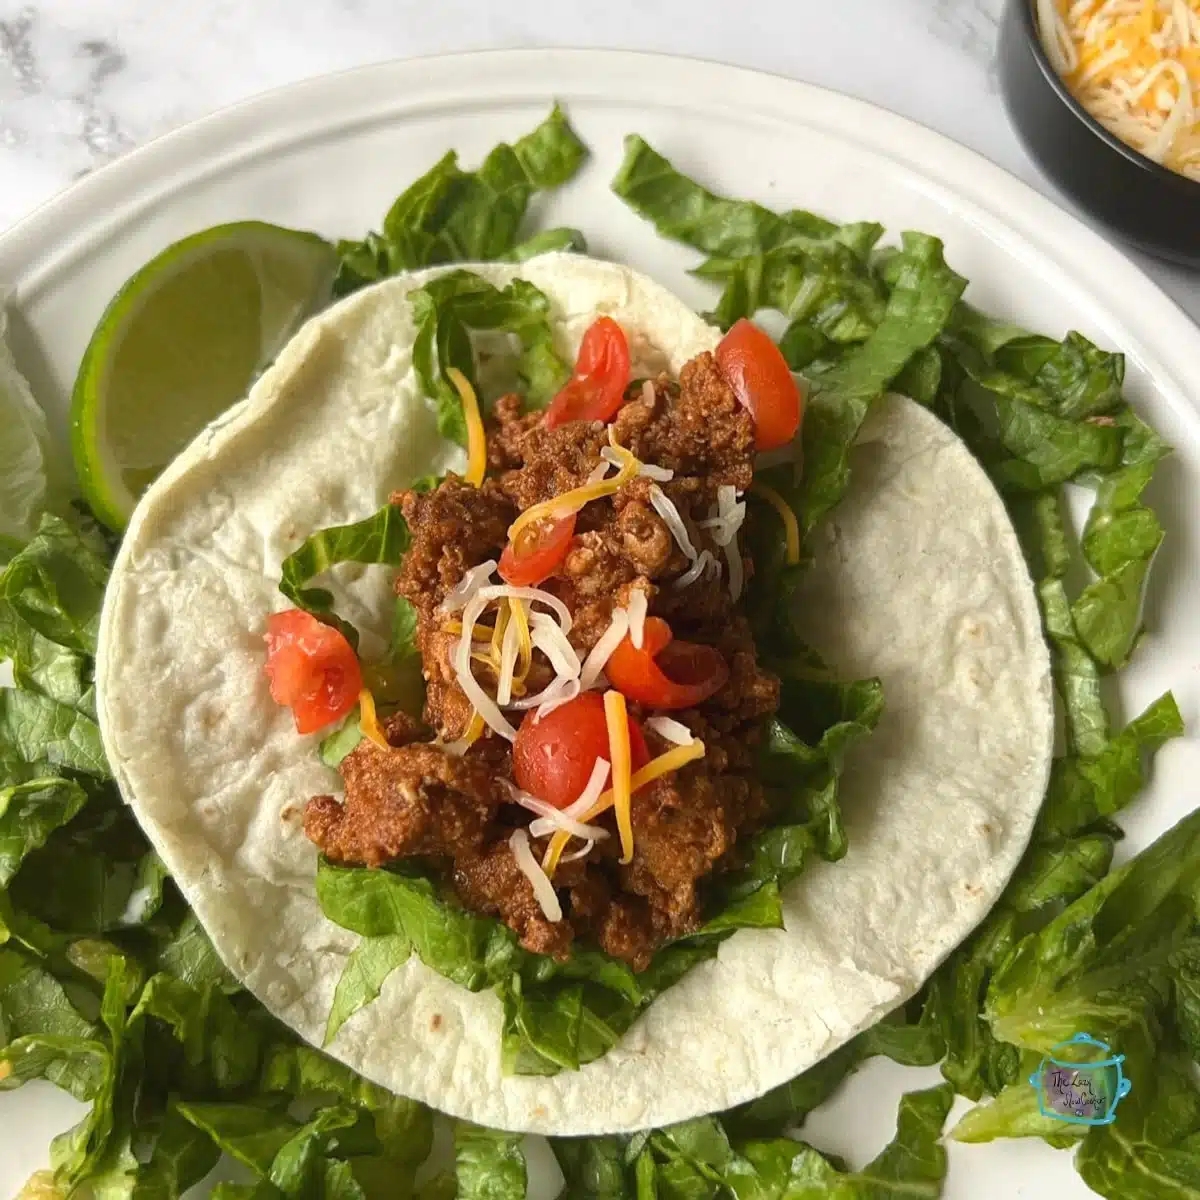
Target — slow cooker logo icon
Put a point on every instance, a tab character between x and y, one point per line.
1081	1082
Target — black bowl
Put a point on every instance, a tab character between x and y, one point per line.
1155	209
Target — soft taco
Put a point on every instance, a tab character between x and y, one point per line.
595	879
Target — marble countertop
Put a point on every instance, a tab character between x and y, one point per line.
84	81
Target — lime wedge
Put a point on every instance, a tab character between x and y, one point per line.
182	341
24	445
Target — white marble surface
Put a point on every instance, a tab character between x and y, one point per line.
83	81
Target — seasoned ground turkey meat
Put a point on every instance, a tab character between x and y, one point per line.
454	809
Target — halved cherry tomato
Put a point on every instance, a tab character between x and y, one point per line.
311	669
553	757
665	673
597	388
536	552
762	382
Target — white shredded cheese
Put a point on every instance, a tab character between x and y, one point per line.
550	692
702	564
670	730
582	852
724	525
602	651
552	642
726	518
638	606
484	705
665	507
569	690
533	595
468	585
543	889
591	790
737	571
648	470
579	809
551	819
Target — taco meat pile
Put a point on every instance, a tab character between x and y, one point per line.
446	790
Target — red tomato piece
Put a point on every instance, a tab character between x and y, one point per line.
536	552
665	673
553	757
596	389
762	382
311	669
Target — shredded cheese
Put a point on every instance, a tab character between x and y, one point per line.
556	818
665	507
474	732
616	716
602	651
571	502
791	527
368	722
701	566
664	764
483	704
1135	66
524	643
543	889
508	663
578	809
638	607
564	691
503	613
670	730
553	643
476	440
472	580
648	470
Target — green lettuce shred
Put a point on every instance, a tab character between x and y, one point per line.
450	215
446	312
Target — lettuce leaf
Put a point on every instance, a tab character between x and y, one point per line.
452	215
1152	1149
26	465
381	538
446	312
700	1159
489	1165
29	813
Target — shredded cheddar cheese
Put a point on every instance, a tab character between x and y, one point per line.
791	527
664	764
368	722
474	730
521	617
616	716
571	502
502	619
1135	66
476	440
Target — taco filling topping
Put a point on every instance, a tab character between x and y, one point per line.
594	700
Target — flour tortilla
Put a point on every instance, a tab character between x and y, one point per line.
918	579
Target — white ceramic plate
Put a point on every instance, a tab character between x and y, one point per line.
331	154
